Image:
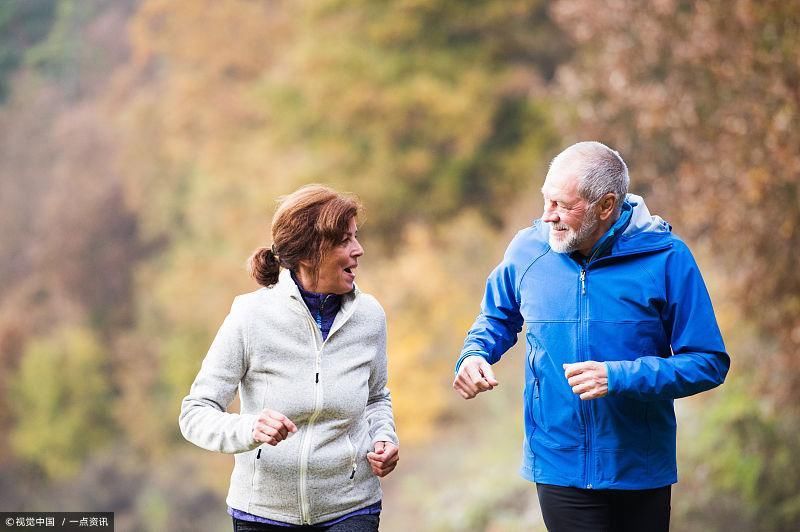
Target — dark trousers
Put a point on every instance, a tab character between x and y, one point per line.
576	509
357	523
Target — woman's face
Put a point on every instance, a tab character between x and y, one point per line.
337	271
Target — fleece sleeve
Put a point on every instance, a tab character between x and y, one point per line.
203	419
698	361
379	403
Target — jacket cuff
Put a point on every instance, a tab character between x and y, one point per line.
465	355
615	376
245	431
385	436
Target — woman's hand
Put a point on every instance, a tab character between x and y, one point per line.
384	459
272	427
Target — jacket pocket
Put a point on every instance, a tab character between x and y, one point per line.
353	459
533	351
556	420
531	404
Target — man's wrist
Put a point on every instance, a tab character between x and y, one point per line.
465	356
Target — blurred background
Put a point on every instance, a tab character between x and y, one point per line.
143	144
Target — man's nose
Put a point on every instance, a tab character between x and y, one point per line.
549	216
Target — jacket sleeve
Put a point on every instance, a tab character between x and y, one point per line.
379	403
203	419
698	361
496	327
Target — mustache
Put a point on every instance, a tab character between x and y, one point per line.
558	226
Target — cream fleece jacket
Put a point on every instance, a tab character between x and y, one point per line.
271	350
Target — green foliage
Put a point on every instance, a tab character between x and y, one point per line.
61	398
67	55
425	108
22	25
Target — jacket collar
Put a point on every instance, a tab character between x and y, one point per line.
287	288
603	246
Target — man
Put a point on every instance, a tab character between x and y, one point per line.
618	324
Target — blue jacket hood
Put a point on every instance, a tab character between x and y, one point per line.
641	219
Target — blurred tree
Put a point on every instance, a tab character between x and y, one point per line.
408	100
702	99
22	25
68	243
429	295
61	398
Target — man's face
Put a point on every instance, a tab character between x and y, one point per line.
573	222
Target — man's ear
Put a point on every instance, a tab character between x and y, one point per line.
607	205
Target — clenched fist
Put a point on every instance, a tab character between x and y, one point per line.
272	427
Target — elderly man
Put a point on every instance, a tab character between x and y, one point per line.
618	324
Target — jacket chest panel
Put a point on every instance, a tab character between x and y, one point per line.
286	371
614	313
623	292
552	290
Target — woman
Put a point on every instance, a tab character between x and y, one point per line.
308	355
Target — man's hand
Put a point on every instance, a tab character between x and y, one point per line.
272	427
384	459
588	379
474	376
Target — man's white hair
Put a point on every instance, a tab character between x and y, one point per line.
599	170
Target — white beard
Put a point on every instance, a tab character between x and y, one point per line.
573	240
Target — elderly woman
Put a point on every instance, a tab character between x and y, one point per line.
307	353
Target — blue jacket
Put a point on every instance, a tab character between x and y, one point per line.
641	307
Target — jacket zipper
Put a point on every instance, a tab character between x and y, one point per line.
305	444
584	410
586	407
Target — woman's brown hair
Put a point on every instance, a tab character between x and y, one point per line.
307	224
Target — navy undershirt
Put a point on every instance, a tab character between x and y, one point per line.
323	307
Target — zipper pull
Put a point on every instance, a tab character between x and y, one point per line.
317	380
353	474
258	454
583	281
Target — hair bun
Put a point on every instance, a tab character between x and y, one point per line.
264	266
